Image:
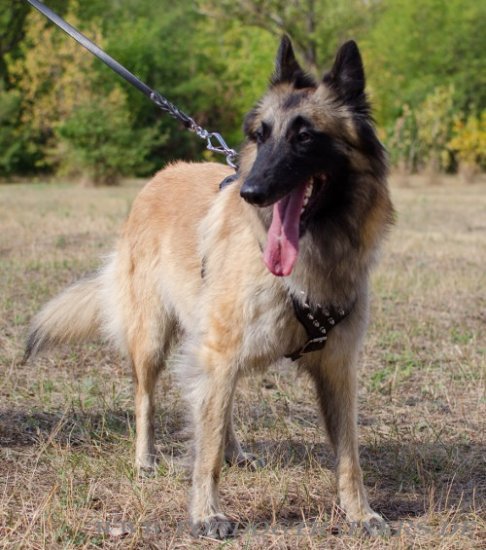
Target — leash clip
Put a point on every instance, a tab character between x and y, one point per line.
223	148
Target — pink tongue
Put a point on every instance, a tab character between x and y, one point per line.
282	247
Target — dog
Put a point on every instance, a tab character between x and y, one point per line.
275	264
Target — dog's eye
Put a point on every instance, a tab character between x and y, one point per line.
304	137
261	135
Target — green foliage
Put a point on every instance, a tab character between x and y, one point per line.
437	136
426	67
434	123
97	141
469	142
13	14
12	19
58	105
11	144
317	27
402	141
234	80
416	46
74	119
161	47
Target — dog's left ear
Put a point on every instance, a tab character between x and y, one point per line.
287	69
347	74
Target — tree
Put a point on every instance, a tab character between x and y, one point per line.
316	27
417	45
98	143
13	14
77	123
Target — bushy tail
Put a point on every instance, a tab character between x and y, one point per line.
72	316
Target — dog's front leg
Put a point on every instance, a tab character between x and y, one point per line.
211	399
335	380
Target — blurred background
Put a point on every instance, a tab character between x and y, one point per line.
63	114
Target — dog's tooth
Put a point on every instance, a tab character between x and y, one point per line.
308	190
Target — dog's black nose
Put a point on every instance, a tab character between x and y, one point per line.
252	193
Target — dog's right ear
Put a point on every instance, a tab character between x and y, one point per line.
287	69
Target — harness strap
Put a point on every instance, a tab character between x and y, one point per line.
228	180
317	322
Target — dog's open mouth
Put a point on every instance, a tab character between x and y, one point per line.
288	223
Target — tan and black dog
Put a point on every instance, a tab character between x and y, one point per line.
275	264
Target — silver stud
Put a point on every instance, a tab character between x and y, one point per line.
310	316
331	321
323	330
316	323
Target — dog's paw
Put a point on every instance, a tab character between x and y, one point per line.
146	472
374	526
214	527
146	468
249	461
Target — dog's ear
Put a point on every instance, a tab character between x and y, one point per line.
347	74
287	69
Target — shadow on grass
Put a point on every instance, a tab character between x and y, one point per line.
20	429
405	479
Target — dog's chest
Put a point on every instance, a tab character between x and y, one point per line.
270	328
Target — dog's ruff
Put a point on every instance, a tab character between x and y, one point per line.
216	274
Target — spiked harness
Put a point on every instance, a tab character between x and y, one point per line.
317	322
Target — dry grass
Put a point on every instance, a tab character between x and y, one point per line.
66	422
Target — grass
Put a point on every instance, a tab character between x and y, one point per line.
67	428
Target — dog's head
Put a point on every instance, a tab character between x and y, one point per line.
305	141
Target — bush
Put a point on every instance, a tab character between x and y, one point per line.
434	135
469	144
15	150
434	124
97	141
403	143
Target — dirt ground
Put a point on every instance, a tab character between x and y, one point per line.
67	477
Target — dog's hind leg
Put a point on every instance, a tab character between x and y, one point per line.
148	349
233	452
145	374
335	381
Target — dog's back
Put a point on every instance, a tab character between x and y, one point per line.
155	272
156	265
